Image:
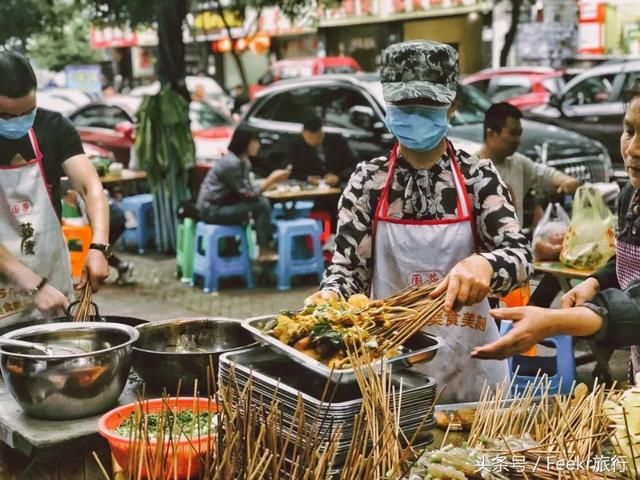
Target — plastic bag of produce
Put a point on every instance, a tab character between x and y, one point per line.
590	240
550	232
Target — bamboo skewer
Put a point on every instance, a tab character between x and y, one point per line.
85	305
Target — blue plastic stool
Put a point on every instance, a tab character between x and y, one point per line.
560	370
207	262
292	250
144	233
185	241
291	210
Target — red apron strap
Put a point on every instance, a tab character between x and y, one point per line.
36	149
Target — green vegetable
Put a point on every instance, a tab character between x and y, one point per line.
323	332
184	423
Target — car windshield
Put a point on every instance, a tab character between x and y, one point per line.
204	116
554	84
471	105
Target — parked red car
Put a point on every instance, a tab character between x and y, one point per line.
111	124
304	67
523	87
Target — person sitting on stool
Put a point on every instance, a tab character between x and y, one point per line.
227	196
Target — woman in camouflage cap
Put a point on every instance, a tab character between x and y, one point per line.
426	213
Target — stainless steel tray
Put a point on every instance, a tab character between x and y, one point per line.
421	348
275	374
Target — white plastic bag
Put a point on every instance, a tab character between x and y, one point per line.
550	232
590	241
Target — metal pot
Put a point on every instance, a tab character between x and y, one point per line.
130	321
69	386
172	351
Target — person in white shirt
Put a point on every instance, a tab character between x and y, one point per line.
502	134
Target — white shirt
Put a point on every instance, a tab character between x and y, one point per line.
522	174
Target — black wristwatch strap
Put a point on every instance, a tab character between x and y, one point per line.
104	248
39	287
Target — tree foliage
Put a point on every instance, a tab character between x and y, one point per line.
68	45
54	44
20	19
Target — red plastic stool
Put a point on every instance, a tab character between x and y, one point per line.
325	218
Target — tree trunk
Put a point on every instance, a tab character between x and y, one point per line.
234	53
511	33
170	15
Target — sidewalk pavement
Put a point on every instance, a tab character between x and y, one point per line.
156	294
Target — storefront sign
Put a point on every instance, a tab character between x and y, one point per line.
141	62
113	37
213	21
352	8
405	6
87	78
273	22
258	44
591	27
84	77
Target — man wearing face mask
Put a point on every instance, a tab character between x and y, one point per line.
428	212
37	148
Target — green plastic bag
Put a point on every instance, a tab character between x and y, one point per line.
590	240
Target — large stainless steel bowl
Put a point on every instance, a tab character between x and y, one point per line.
172	351
69	386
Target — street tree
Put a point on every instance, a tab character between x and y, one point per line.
510	36
56	48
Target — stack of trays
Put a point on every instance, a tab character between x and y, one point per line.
276	376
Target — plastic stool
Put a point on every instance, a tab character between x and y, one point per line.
252	241
185	241
290	249
207	262
78	239
562	369
144	232
325	219
291	210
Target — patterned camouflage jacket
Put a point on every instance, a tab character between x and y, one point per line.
427	195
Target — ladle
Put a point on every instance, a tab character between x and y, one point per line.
47	350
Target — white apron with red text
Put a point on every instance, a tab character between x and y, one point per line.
31	232
416	251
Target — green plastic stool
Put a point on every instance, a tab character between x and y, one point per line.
184	249
251	242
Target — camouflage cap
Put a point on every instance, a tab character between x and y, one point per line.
419	69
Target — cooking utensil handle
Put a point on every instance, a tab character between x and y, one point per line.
10	342
68	314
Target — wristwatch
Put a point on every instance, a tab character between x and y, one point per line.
103	247
40	286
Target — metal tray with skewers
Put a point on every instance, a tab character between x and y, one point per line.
273	375
420	348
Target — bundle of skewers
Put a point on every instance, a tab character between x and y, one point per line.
532	436
250	441
535	435
84	307
326	329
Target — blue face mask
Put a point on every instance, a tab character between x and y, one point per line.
418	127
18	127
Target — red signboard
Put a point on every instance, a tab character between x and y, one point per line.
113	38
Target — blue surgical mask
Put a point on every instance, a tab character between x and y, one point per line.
18	127
418	127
